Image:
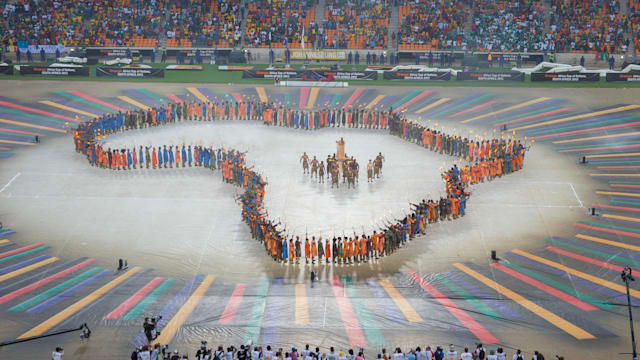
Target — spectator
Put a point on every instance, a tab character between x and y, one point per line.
431	24
360	24
57	354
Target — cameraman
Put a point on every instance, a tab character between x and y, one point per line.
242	353
203	353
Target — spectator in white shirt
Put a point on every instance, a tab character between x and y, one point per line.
500	355
466	355
452	354
518	355
57	355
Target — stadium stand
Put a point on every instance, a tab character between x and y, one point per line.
508	26
587	26
204	24
279	20
361	24
431	25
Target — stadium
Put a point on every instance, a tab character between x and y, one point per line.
319	179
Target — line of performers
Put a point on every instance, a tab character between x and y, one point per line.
490	159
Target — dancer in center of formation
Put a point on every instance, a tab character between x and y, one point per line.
485	160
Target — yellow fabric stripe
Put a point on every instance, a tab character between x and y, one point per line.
580	274
312	97
545	314
375	101
618	217
169	331
608	242
596	137
26	269
262	94
618	193
578	117
302	307
514	107
407	310
68	108
79	305
611	155
3	241
134	103
20	123
432	105
198	94
16	142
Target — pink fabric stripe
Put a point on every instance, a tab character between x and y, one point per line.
304	95
586	130
22	249
417	98
602	148
174	98
552	112
21	132
37	111
353	97
622	208
12	295
237	97
481	106
232	306
351	324
134	299
97	101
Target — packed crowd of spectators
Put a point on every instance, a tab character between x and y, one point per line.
634	23
123	22
509	26
362	24
431	24
450	352
212	23
280	23
588	26
46	22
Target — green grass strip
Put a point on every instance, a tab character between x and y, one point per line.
336	99
28	252
406	98
598	145
53	121
573	127
53	291
551	108
371	329
152	95
252	333
558	285
466	103
593	252
84	101
150	299
614	227
466	296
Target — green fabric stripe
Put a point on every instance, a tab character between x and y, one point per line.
336	99
614	227
84	101
406	98
625	182
8	153
252	333
593	252
150	299
613	121
4	230
9	133
53	291
287	99
371	329
463	294
625	202
28	252
612	162
598	145
450	110
152	95
54	121
550	108
558	285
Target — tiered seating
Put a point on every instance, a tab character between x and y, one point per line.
634	23
427	25
117	23
45	23
587	26
206	24
357	24
282	19
508	26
